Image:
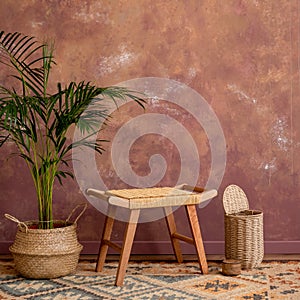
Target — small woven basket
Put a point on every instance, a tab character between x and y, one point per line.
45	253
244	238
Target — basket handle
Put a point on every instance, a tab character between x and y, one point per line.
80	214
20	224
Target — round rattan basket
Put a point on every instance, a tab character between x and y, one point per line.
45	253
244	238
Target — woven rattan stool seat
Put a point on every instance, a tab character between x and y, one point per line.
154	197
136	199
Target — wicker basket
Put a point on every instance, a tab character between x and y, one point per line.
244	239
45	253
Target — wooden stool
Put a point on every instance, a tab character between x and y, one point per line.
136	199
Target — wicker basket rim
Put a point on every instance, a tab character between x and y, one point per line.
54	221
67	226
254	213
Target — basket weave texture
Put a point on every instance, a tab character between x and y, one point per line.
46	253
156	197
244	238
151	193
36	251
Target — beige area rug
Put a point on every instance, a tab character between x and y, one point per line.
157	280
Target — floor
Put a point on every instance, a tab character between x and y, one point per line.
159	277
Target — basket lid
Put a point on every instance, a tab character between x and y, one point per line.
234	199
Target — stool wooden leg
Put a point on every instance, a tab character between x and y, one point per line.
172	230
108	226
127	245
196	232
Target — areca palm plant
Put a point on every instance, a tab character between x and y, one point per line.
37	121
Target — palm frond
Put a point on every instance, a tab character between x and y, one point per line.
21	52
38	122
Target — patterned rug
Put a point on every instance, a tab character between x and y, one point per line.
145	280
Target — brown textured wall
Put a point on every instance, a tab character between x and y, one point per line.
242	56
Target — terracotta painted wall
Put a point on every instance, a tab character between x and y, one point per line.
241	56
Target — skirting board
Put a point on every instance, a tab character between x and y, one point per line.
211	247
164	247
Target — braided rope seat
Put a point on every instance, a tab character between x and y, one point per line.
159	197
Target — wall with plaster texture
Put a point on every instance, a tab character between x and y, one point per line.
241	56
